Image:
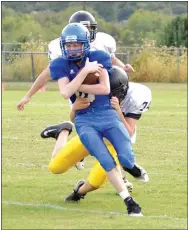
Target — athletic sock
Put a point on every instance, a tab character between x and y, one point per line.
124	194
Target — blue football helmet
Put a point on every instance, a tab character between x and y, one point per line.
75	33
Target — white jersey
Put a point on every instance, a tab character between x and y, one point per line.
102	41
136	102
54	50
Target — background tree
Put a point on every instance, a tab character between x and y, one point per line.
128	22
144	25
109	11
176	32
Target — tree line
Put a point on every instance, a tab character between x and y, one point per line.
115	11
146	21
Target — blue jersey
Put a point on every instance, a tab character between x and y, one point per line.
60	68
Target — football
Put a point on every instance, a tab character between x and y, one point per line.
91	79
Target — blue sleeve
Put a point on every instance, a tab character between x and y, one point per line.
57	69
103	58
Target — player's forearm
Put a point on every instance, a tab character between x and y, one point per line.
72	115
97	89
103	88
116	61
73	86
41	80
128	127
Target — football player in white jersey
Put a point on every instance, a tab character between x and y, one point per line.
99	40
130	100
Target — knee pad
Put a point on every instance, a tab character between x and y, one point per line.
68	156
97	176
58	166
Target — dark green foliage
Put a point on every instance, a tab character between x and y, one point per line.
27	7
176	32
110	12
128	22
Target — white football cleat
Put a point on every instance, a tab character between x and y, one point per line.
144	176
136	214
80	165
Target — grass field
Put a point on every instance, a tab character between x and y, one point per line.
32	197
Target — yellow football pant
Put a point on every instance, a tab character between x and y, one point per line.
73	152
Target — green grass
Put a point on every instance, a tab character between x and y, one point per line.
32	197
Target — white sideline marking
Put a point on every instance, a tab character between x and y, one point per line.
27	139
38	165
84	210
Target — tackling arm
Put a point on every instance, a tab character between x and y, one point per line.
127	67
72	115
80	103
129	123
116	61
41	80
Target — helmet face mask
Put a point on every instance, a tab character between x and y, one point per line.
75	42
73	50
120	93
86	19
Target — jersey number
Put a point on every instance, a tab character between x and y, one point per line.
91	97
145	105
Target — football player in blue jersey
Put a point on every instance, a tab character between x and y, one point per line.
93	123
99	41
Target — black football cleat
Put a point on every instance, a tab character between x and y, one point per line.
133	208
54	130
75	196
138	172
